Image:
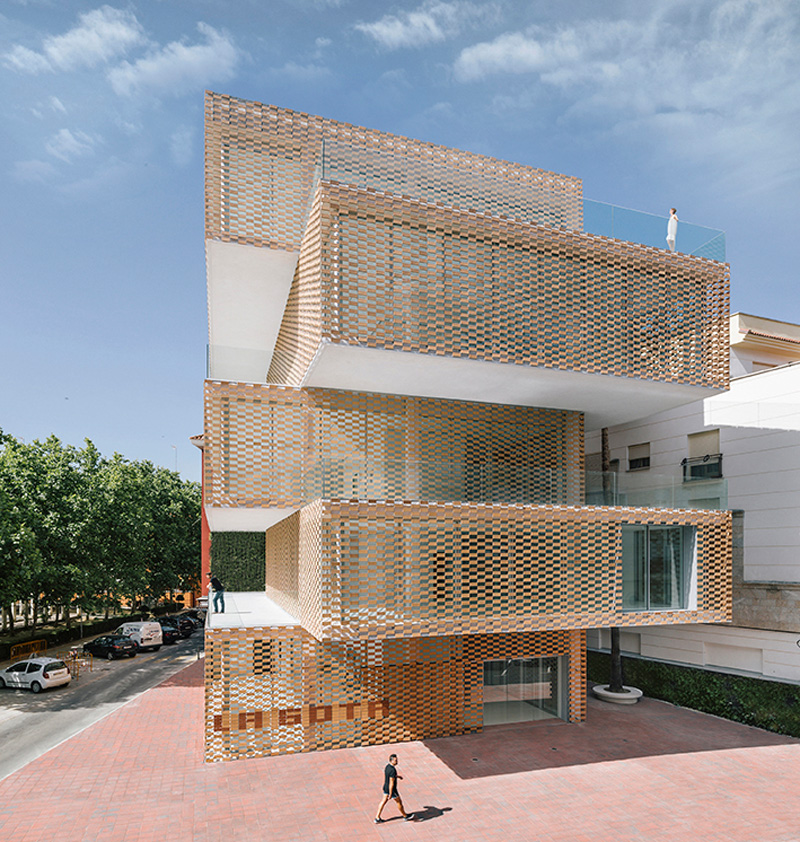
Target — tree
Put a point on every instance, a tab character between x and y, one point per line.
79	529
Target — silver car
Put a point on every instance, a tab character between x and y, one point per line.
35	673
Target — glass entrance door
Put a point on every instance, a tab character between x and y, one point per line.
523	689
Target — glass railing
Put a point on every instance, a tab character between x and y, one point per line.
651	230
512	196
290	477
495	482
654	491
446	482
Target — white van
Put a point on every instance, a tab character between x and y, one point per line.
146	634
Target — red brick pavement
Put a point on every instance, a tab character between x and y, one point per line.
649	772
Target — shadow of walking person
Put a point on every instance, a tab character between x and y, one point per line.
430	812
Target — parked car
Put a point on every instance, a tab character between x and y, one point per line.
36	673
146	633
170	633
196	614
185	625
112	646
196	624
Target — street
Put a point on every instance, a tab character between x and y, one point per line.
32	724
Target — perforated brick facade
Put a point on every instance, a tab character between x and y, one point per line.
273	446
384	271
278	690
263	164
370	571
416	538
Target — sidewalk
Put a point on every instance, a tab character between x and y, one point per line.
647	772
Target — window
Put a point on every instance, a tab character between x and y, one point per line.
658	568
704	460
638	456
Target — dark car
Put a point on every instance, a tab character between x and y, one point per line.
185	625
170	633
112	646
197	622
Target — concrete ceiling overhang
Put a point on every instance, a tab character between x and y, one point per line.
241	519
247	291
606	400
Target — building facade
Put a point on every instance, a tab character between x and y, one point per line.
406	343
748	438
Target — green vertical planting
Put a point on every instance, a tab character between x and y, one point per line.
771	705
238	559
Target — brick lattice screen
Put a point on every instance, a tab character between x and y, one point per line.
275	446
372	570
384	271
278	690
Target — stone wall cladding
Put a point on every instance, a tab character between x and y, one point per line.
278	690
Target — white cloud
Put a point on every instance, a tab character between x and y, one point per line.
431	22
57	105
179	67
26	61
100	36
711	81
572	52
66	145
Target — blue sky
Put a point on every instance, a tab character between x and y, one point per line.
102	282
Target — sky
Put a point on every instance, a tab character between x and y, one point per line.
103	322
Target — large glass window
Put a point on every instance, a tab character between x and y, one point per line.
657	567
524	689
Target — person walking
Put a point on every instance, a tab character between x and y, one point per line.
219	593
672	228
390	790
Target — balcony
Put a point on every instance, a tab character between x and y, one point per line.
270	450
399	296
649	229
654	491
363	570
427	270
697	468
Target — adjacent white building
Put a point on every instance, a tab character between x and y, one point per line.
742	448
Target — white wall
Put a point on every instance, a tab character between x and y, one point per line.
765	654
759	424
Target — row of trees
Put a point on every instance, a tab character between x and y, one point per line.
78	529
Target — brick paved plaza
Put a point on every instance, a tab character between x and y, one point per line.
648	772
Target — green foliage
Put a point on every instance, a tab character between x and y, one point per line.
238	559
76	528
752	701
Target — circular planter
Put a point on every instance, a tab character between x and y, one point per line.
629	697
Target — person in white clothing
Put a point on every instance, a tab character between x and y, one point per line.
672	228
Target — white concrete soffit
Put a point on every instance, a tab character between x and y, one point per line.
247	291
606	400
240	519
